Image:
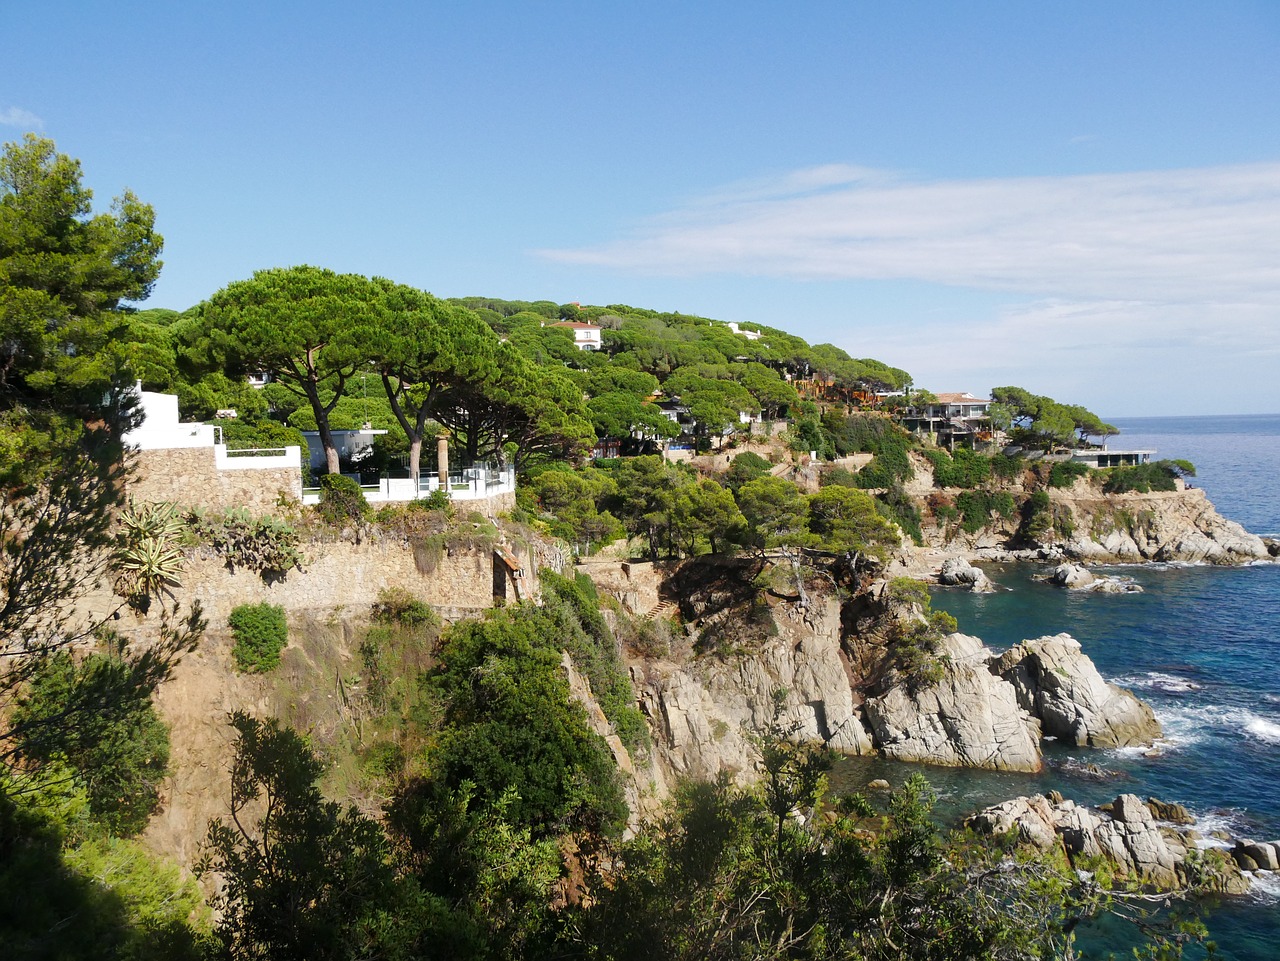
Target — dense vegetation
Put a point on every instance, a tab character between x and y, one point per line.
492	812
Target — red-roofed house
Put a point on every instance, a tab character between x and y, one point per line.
586	336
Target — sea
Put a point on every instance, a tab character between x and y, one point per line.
1201	644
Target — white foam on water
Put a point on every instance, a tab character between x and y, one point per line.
1138	750
1189	725
1265	886
1261	729
1158	681
1226	821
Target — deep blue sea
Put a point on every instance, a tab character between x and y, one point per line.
1201	645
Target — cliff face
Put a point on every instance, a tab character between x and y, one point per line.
835	661
704	711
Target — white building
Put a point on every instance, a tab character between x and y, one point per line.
585	336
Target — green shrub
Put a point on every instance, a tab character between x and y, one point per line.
914	647
964	468
890	464
260	632
895	504
1037	517
398	606
1145	478
341	500
1006	467
594	649
1064	473
976	508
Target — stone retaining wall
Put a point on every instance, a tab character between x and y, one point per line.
188	477
339	579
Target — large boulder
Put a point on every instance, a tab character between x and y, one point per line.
1058	684
970	718
956	571
1071	576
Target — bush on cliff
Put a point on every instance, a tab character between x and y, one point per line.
976	508
1064	473
963	468
341	500
260	632
511	724
1144	478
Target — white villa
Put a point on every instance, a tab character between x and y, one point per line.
585	336
190	463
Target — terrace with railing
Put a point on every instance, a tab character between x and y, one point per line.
470	484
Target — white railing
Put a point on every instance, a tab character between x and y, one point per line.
472	484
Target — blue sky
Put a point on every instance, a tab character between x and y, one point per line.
1079	198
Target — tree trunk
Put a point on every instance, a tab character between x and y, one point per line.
415	457
322	425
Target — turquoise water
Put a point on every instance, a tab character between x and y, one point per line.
1201	645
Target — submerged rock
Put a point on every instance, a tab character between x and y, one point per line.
1058	684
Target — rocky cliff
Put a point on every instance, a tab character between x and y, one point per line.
835	660
1087	525
704	711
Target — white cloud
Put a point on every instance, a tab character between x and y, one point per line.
1118	357
17	117
1181	236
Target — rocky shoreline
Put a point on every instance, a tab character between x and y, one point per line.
1153	843
1177	527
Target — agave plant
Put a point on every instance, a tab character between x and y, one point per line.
148	559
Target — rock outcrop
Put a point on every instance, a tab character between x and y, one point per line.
1057	683
1126	832
1166	526
956	571
1077	578
704	712
970	718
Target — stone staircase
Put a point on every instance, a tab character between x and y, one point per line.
661	610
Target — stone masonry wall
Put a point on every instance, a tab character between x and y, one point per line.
188	477
339	579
